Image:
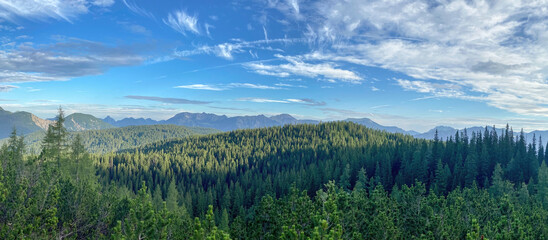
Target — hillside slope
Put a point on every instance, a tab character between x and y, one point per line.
336	180
24	122
82	122
115	139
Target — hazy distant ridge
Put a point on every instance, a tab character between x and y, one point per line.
27	123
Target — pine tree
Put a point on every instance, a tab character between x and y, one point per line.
13	160
54	144
141	218
541	152
499	187
15	154
523	194
542	186
172	195
441	178
471	169
475	233
3	189
157	199
82	166
345	178
362	183
207	229
224	224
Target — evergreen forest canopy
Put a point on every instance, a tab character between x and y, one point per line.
117	139
336	180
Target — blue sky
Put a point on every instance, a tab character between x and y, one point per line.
414	64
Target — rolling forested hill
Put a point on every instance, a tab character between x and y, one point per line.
336	180
81	122
234	171
28	123
115	139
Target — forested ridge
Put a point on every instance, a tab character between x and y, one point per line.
336	180
116	139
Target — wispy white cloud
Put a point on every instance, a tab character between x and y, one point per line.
297	67
252	85
103	3
221	87
31	89
132	6
307	101
11	29
166	100
265	35
181	22
380	106
253	54
19	77
295	5
261	100
436	89
283	85
290	8
304	101
23	37
290	85
7	88
41	10
207	26
135	28
228	49
201	87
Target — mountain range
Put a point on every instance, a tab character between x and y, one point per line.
208	120
26	123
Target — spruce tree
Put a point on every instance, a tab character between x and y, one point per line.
54	144
172	203
362	183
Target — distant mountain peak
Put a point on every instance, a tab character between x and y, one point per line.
109	120
443	128
372	124
284	115
360	120
284	119
82	121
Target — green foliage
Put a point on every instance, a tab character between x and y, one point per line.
328	181
116	139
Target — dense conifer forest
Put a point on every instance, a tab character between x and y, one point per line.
117	139
336	180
